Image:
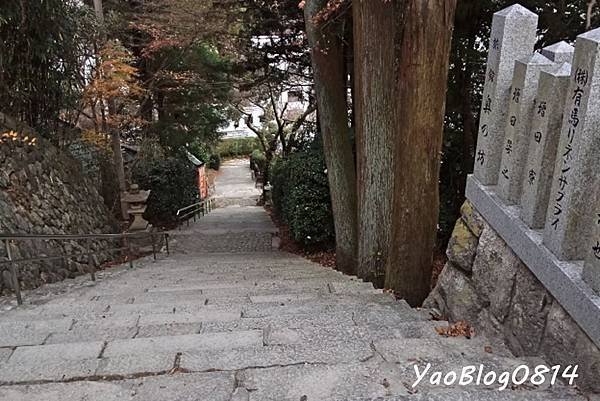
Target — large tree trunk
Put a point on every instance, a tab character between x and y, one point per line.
330	86
375	133
401	53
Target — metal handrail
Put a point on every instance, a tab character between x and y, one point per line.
203	207
8	240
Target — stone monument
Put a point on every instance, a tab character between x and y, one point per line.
136	199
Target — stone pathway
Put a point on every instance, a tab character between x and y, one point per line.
229	318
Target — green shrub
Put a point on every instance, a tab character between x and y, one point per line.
214	161
258	161
239	147
173	185
301	196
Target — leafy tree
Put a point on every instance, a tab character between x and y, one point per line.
44	47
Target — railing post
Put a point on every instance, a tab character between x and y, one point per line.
13	273
92	266
129	253
153	246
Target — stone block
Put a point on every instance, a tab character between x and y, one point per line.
526	320
472	218
197	317
494	272
456	295
462	246
170	329
30	332
76	391
176	344
323	383
566	344
91	333
214	386
150	363
51	362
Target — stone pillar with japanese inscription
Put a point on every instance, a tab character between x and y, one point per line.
571	216
543	142
591	267
513	36
521	108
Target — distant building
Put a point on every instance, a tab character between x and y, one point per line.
292	103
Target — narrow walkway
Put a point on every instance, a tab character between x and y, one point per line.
229	318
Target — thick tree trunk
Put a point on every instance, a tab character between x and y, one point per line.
401	58
375	132
330	87
424	31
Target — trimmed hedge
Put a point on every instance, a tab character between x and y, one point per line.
239	147
301	196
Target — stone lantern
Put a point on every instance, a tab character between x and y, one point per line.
136	199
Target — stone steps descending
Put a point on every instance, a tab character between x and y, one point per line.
253	326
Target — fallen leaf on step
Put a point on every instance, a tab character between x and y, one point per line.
458	329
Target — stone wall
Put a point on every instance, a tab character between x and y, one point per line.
99	169
486	284
43	191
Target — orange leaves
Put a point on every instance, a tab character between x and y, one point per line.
114	77
114	83
98	139
15	137
458	329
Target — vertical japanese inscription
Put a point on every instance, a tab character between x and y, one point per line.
569	228
512	36
581	78
522	108
543	143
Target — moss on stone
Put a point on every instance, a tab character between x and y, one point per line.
462	246
472	218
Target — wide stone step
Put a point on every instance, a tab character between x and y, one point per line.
220	386
238	350
370	381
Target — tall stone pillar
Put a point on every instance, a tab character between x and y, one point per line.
521	105
513	36
570	211
543	142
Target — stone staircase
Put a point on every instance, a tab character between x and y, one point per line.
228	317
237	326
